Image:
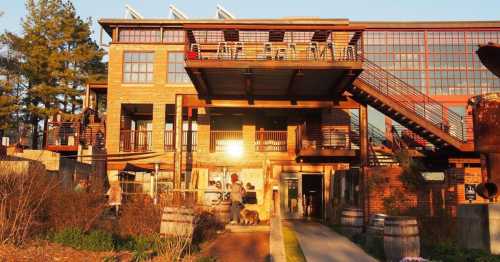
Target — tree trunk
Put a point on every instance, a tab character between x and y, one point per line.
45	131
34	136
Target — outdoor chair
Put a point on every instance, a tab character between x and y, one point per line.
223	51
268	51
281	53
195	51
328	52
312	51
239	51
292	51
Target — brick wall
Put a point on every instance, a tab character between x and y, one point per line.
430	199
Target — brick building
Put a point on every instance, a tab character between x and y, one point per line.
284	104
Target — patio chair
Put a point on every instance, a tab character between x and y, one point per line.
292	51
312	51
223	51
239	53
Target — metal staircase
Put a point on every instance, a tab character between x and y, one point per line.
411	108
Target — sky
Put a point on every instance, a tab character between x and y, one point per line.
360	10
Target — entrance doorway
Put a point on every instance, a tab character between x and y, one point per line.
312	190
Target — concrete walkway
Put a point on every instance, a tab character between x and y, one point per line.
320	243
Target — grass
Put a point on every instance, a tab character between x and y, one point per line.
292	247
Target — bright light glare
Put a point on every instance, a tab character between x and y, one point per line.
234	148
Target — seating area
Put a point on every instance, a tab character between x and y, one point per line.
332	46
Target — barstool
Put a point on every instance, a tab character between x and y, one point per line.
223	51
238	51
312	51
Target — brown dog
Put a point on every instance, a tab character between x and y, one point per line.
249	217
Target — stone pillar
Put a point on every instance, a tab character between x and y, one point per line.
178	142
158	127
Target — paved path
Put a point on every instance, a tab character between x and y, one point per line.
320	243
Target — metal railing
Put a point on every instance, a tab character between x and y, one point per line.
375	135
135	140
269	46
63	134
271	141
413	100
222	140
169	141
324	138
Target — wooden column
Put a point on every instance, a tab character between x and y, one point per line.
363	157
178	142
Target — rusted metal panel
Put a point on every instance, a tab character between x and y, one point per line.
486	114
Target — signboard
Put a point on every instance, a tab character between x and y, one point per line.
470	192
433	176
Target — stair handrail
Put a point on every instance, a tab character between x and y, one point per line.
414	100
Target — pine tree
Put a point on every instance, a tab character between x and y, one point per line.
57	58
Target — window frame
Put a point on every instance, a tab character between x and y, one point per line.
139	72
176	73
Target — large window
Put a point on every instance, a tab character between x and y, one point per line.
141	35
436	62
173	36
138	67
176	73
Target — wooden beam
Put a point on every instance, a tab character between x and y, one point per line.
247	79
205	88
339	86
296	77
272	64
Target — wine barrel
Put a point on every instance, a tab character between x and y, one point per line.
351	221
177	221
401	238
376	225
223	211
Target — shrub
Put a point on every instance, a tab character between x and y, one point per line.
69	209
23	197
206	227
139	217
94	241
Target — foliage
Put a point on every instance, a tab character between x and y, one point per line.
139	217
54	57
411	176
449	251
397	203
207	259
23	197
206	228
96	240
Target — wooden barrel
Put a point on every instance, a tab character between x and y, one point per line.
351	221
401	238
223	211
177	221
376	225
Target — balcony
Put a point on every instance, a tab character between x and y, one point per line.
135	140
169	142
225	141
238	63
271	141
63	136
325	142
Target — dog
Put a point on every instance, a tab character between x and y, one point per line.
249	217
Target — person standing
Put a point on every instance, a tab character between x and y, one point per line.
115	196
237	192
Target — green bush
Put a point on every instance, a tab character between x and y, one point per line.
450	252
98	241
94	241
71	237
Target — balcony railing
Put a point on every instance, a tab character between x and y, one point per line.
135	140
169	141
326	138
271	141
63	134
242	45
222	141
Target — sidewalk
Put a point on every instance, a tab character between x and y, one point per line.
320	243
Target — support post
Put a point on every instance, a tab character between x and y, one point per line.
363	157
178	146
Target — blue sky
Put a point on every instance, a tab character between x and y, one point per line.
360	10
